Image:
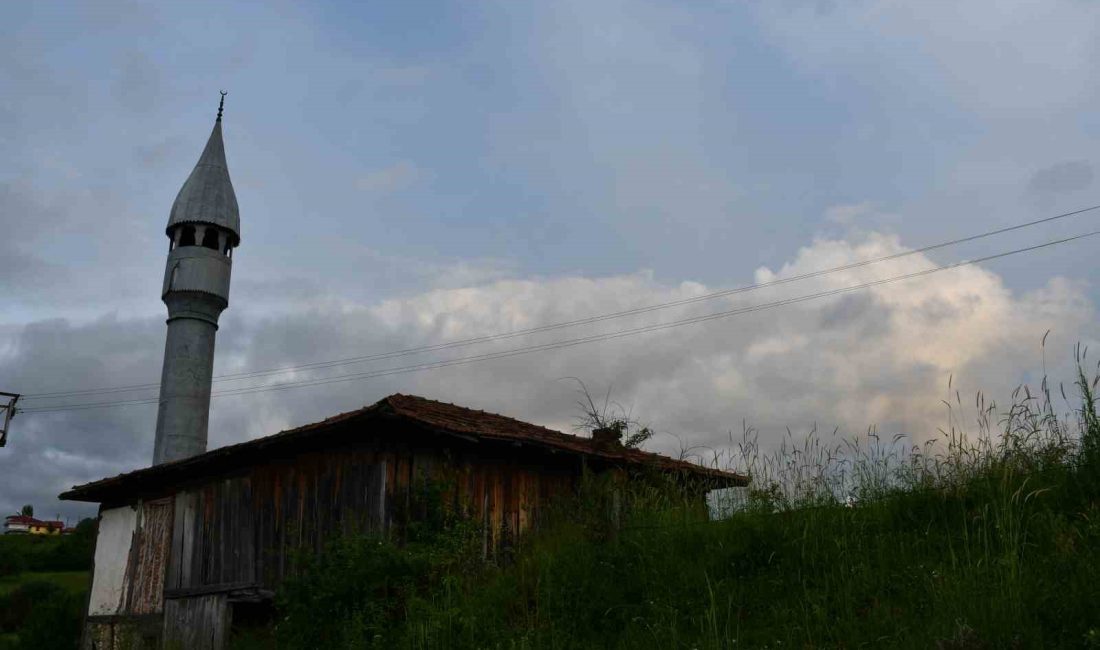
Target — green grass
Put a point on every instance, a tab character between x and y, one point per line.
1000	564
990	539
72	581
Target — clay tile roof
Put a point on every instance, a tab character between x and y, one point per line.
31	521
438	417
485	425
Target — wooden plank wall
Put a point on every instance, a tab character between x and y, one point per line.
150	558
196	623
248	529
506	498
212	536
245	530
303	505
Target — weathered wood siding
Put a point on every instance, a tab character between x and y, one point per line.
246	530
169	570
241	531
212	536
127	595
196	623
505	496
130	558
149	558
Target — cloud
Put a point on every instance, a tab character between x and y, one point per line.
137	84
864	217
396	177
845	215
20	267
1021	58
1069	176
568	144
878	357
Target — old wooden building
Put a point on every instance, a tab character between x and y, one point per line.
182	544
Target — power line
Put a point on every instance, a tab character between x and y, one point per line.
555	345
566	324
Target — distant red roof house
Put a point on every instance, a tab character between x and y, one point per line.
23	525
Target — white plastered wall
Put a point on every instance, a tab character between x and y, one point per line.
112	553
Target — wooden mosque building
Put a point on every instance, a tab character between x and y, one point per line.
201	535
185	544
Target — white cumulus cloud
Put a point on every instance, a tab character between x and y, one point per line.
877	357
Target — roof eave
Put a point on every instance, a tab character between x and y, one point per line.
227	459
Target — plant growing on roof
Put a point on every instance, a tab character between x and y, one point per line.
610	417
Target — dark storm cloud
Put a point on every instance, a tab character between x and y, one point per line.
48	452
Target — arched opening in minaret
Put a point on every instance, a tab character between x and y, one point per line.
187	237
210	238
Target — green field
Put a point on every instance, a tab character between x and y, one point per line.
43	586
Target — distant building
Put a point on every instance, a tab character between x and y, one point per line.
24	525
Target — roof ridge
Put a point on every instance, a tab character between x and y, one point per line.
442	418
473	410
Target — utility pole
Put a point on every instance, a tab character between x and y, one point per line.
8	412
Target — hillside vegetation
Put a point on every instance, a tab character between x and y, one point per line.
989	539
43	585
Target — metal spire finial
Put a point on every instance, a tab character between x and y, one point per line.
221	104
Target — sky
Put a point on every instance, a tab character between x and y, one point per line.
417	173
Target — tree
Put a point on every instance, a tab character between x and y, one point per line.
28	510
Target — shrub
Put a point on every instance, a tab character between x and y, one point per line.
19	553
53	622
12	562
358	591
41	615
17	605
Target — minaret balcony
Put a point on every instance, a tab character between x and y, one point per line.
197	269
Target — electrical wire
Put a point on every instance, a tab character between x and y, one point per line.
565	324
555	345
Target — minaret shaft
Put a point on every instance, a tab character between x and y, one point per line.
203	229
184	414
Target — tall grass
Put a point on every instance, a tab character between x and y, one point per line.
985	538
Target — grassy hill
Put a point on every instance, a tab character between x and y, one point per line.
72	581
43	582
990	540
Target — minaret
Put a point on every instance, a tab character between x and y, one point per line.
204	228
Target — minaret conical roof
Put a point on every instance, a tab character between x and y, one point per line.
207	196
